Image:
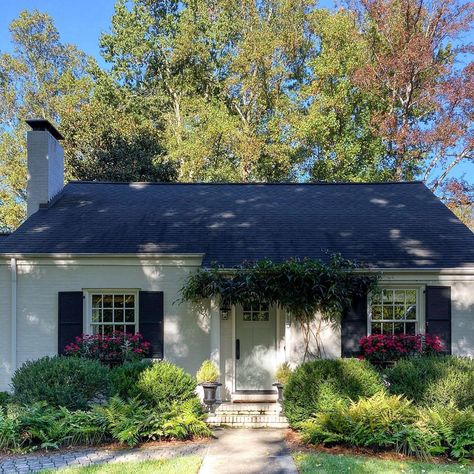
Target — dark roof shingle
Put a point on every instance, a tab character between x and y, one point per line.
391	225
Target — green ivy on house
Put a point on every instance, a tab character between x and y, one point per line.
303	288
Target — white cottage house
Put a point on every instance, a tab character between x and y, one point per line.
93	256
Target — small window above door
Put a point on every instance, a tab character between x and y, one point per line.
256	312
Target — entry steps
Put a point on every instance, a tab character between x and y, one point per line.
248	415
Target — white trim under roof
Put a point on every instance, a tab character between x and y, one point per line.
103	255
442	271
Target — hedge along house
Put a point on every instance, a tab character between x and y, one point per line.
93	257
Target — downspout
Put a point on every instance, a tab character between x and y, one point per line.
13	269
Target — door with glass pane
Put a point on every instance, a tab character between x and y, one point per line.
255	347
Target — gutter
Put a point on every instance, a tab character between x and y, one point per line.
13	268
388	270
103	255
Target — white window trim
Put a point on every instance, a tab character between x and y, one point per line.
420	327
109	291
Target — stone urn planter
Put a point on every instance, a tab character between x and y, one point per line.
279	387
282	375
210	389
207	377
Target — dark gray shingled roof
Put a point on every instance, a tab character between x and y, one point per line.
399	225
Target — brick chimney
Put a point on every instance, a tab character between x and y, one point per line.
45	164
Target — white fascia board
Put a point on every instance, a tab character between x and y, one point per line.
440	271
168	259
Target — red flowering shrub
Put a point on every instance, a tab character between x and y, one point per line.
113	349
392	347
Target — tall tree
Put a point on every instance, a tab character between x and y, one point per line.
426	108
34	79
223	73
336	126
107	137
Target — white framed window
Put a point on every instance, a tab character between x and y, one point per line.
113	310
259	312
395	311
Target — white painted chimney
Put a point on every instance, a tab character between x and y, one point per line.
45	164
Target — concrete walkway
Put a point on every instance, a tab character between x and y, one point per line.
248	451
233	451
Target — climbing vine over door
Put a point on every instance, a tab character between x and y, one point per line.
304	288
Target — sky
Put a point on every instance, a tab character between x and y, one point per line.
81	22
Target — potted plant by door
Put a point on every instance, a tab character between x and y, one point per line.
282	375
207	376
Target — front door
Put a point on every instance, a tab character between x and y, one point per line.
255	347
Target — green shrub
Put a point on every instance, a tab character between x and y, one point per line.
84	427
434	380
163	384
184	422
44	426
321	383
132	421
60	381
373	421
451	429
208	372
5	399
124	378
392	421
129	420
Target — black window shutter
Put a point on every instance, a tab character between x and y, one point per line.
150	317
438	313
353	327
70	317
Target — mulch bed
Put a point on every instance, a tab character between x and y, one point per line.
293	438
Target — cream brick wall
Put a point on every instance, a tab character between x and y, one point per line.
462	301
189	336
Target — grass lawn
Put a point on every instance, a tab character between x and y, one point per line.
322	463
187	464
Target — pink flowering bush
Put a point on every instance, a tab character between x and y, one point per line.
113	349
392	347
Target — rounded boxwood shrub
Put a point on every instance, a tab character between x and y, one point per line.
164	384
60	381
434	380
321	383
124	378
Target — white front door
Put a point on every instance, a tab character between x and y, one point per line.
255	347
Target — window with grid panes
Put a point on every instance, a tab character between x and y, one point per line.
394	311
256	313
113	312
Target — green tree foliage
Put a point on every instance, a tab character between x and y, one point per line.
221	77
337	128
35	78
106	139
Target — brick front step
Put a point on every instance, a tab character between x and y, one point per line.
248	421
248	409
251	415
